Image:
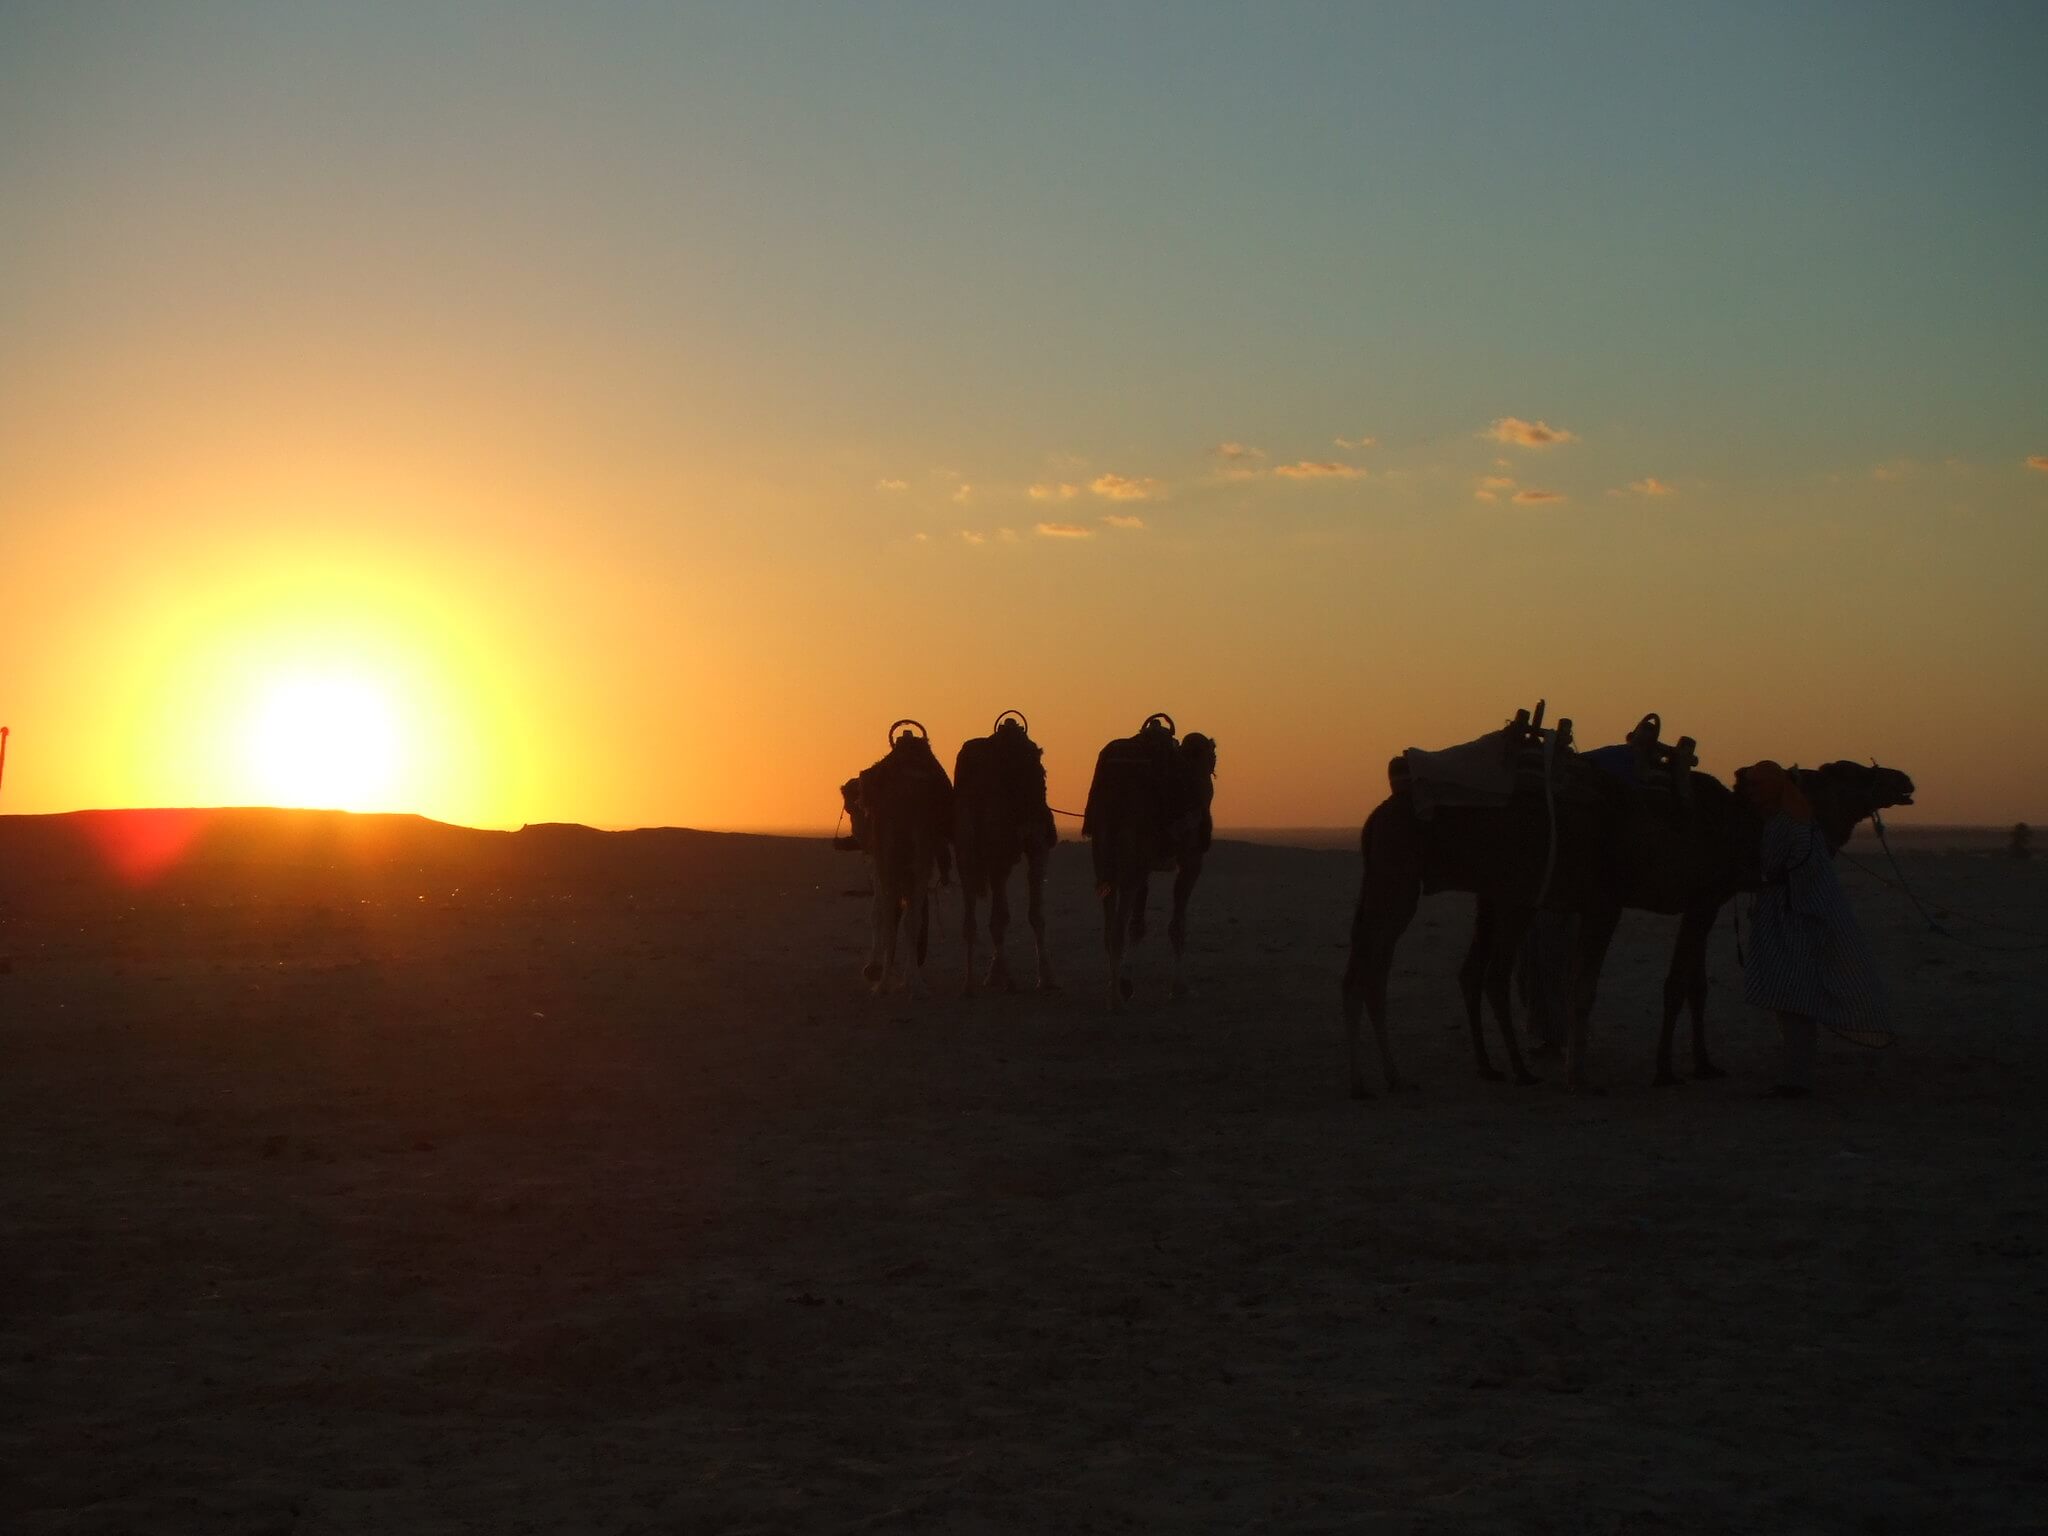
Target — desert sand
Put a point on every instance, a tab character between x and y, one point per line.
362	1174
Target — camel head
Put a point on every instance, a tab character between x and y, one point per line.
856	808
1199	753
1845	793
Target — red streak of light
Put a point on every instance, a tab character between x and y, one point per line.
140	845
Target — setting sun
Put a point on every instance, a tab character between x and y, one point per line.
331	741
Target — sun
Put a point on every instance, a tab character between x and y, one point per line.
328	740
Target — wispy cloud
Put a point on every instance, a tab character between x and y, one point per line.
971	537
1126	487
1054	491
1649	485
1528	434
2038	462
1529	498
1123	520
1319	469
1064	531
1490	487
1356	442
1892	469
892	485
963	493
1238	453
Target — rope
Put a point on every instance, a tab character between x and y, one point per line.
1550	807
2038	940
1075	815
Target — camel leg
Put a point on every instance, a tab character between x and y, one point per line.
1114	926
1695	928
1543	969
967	932
1472	986
1034	874
917	921
1119	877
878	937
1184	879
998	925
1373	937
892	926
1130	928
1509	929
1675	980
1596	932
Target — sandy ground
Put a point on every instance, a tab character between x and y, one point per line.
426	1181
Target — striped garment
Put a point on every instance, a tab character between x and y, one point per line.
1806	954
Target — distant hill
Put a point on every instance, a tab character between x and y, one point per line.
263	848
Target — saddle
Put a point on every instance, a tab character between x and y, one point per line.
1008	767
908	760
1166	775
1492	770
1658	773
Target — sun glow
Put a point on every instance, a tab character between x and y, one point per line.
329	740
328	677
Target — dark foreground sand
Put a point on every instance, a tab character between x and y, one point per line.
378	1177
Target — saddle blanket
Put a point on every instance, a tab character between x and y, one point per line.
1474	773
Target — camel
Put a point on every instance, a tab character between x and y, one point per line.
1689	865
1148	811
902	810
1537	846
1000	815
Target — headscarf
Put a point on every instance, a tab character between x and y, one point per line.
1769	789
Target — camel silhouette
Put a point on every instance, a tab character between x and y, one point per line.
1689	865
1000	816
1148	811
902	811
1544	847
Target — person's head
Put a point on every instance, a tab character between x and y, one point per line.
1768	789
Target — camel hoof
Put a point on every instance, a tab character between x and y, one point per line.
1526	1079
871	972
1125	987
1666	1080
1492	1075
1047	984
1707	1072
1543	1050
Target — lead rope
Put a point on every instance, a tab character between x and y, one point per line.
1550	809
1933	924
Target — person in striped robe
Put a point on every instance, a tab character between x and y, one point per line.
1808	962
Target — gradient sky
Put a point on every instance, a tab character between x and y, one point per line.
648	408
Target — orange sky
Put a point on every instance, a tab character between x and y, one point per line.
626	428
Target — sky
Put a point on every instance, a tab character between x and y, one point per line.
621	414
